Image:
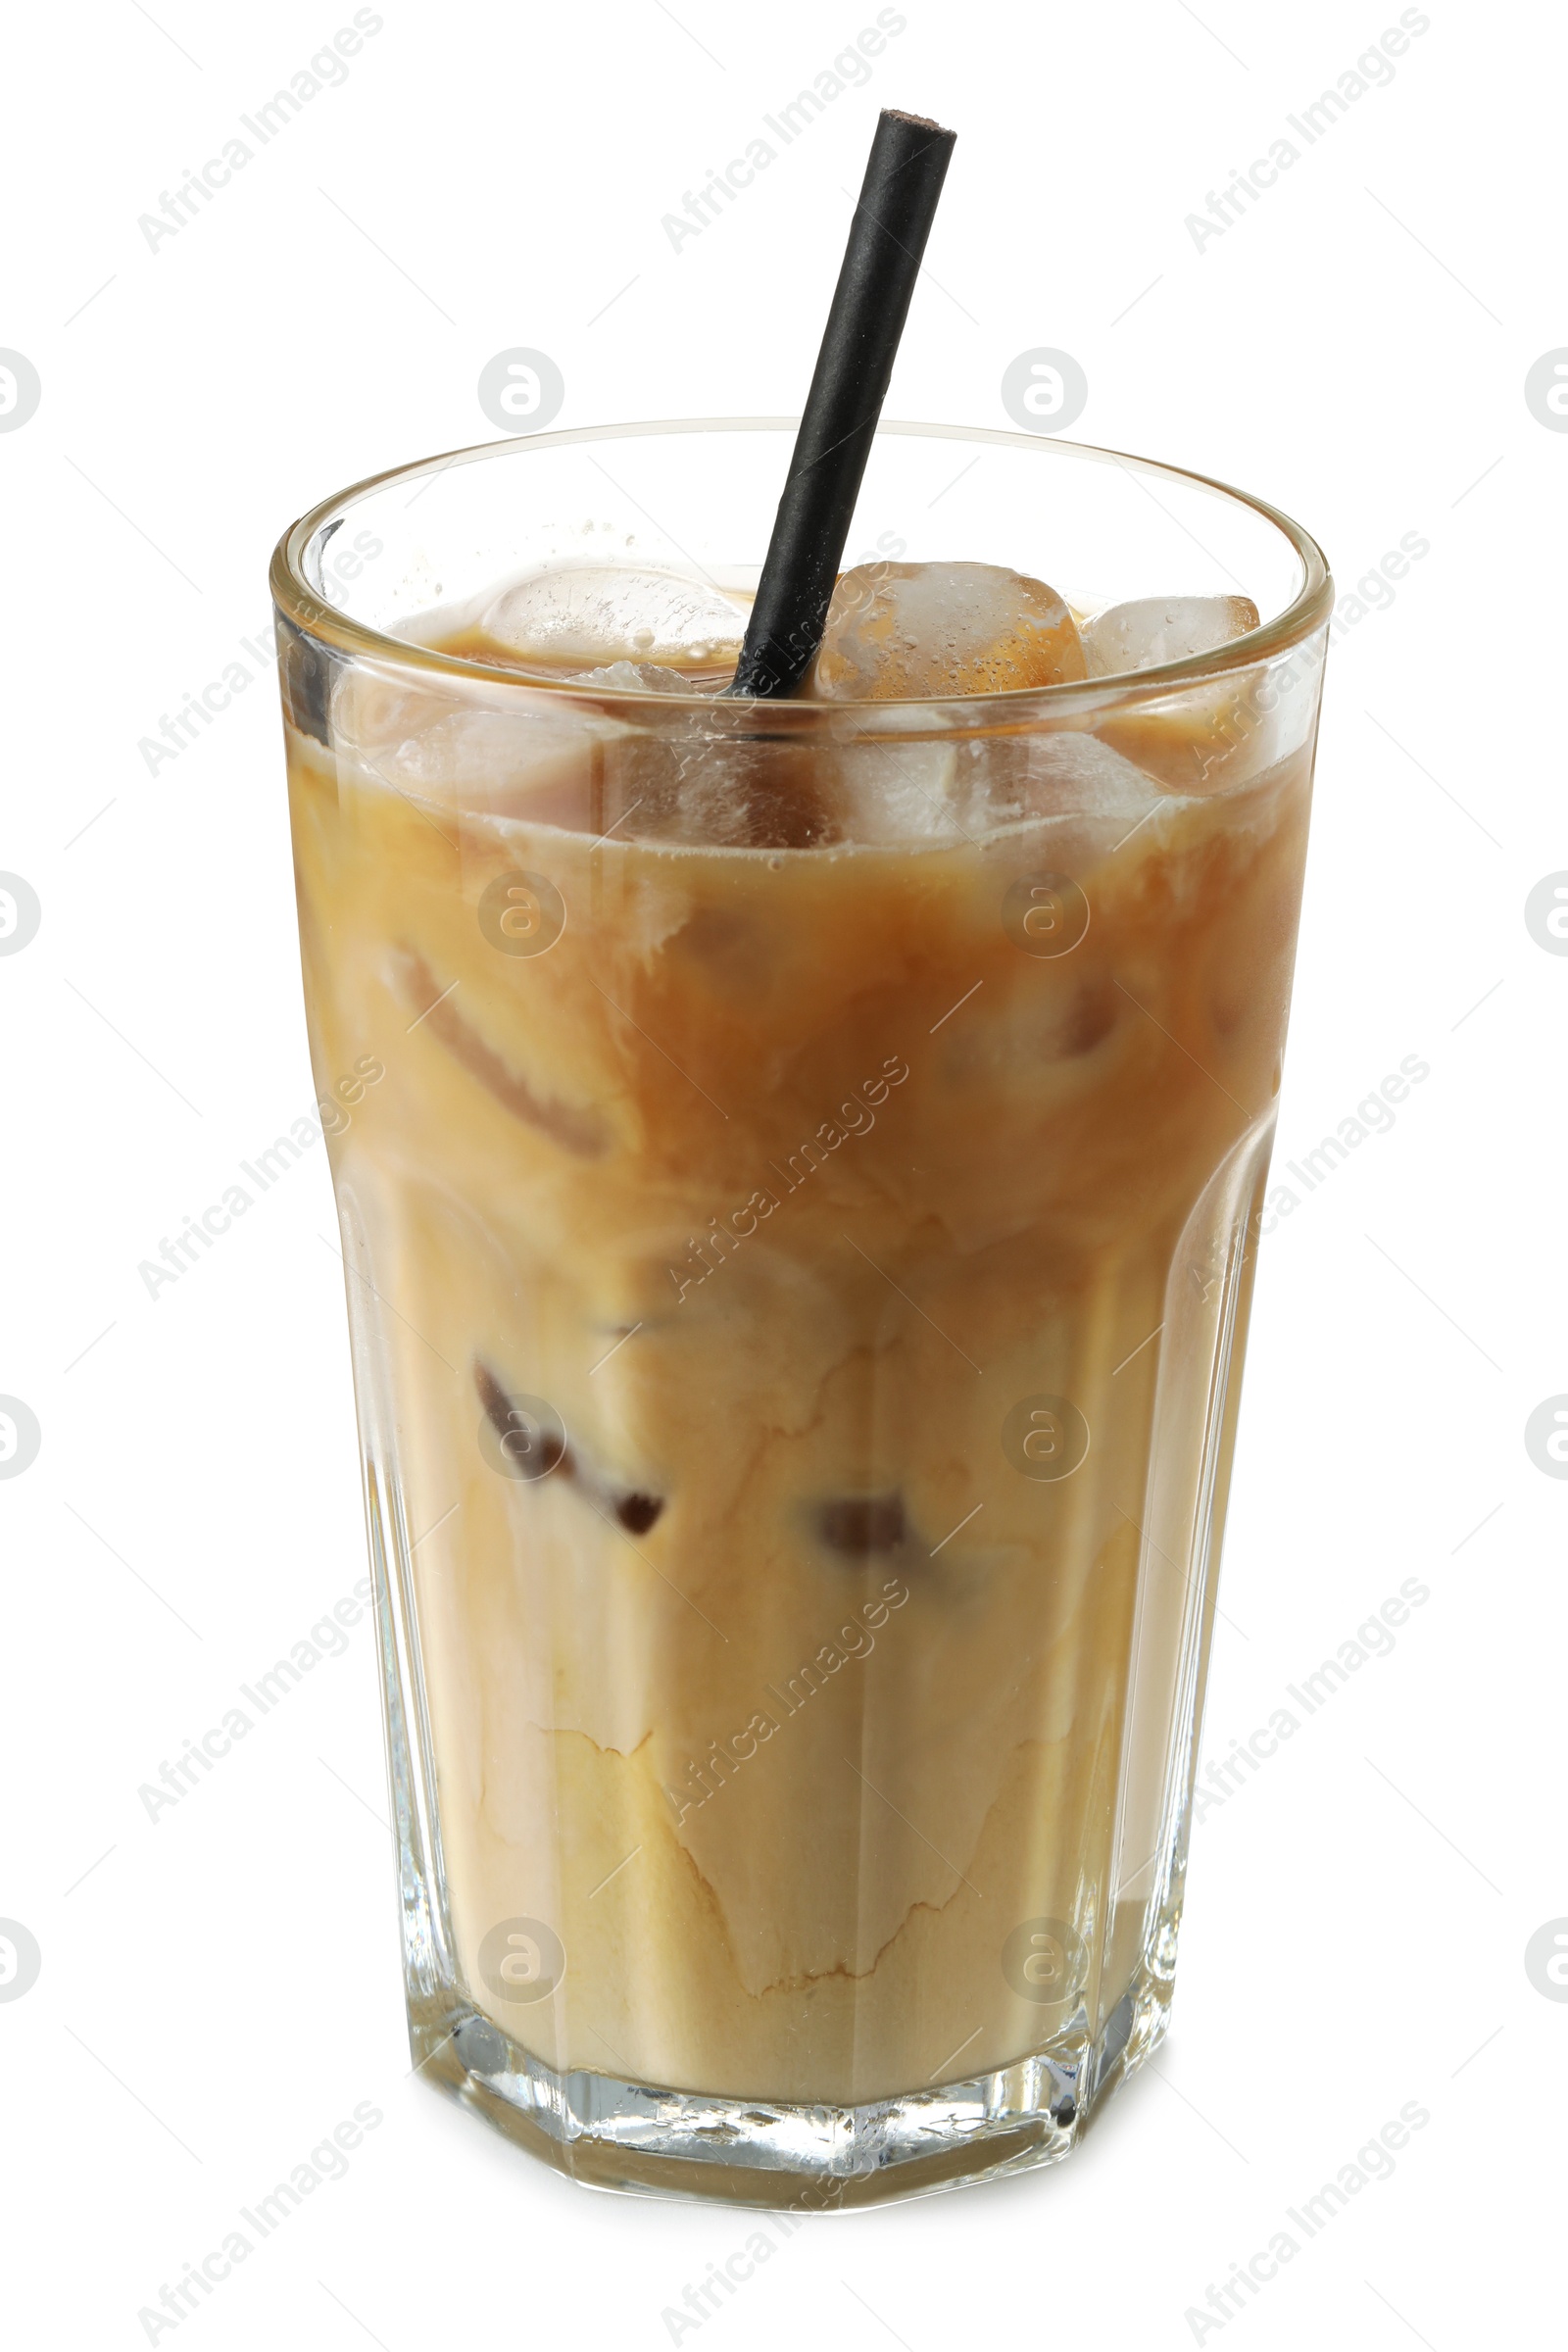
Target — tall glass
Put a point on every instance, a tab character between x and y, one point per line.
796	1164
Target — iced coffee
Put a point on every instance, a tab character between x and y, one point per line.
798	1264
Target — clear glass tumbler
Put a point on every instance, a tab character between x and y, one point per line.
796	1164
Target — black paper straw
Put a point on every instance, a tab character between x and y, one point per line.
903	177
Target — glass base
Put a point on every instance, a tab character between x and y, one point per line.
654	2142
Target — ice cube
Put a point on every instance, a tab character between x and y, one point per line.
640	677
1191	741
694	772
884	790
607	612
1163	628
1084	790
917	630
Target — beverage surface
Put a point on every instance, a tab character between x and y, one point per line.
802	1233
894	631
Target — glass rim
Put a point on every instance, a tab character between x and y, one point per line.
303	606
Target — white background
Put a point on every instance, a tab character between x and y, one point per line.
219	1987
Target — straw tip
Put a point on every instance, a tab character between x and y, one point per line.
895	113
